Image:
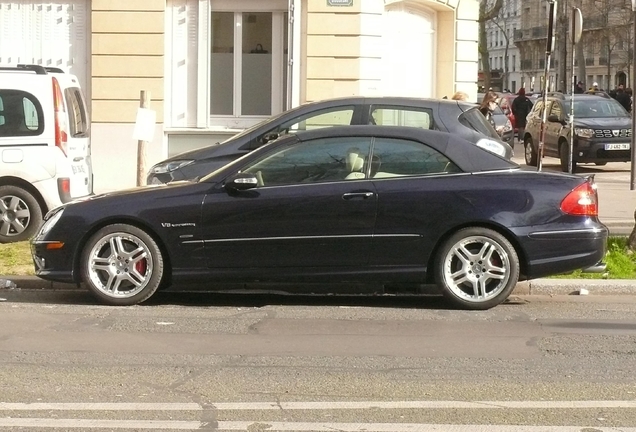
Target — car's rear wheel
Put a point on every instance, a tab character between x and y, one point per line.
20	214
564	155
122	265
477	268
529	152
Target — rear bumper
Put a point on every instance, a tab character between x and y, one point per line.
559	250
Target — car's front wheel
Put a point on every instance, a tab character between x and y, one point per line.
20	214
122	265
477	268
529	152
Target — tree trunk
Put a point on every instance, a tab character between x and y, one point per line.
580	58
563	47
484	17
631	241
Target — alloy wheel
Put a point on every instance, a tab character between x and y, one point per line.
14	215
476	269
120	265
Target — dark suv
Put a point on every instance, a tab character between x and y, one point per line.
460	118
602	130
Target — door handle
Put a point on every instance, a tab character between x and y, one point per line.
354	195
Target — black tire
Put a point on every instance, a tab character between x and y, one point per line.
122	265
465	262
20	214
564	155
530	153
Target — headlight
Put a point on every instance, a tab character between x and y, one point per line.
508	126
51	219
492	146
584	133
167	167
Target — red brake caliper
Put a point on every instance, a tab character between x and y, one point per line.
141	266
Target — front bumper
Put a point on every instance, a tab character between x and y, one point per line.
594	150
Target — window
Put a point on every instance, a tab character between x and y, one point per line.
422	118
20	114
337	116
556	110
317	161
76	112
514	63
475	120
397	158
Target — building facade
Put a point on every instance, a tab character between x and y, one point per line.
215	67
604	49
503	54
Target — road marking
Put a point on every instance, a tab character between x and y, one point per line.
328	405
288	426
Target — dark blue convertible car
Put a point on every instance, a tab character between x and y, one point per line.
374	204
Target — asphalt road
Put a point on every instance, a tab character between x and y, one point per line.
260	362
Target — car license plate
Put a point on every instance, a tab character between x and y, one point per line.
616	146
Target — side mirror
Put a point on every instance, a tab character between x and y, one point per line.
241	181
270	136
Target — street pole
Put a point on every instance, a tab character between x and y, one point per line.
632	177
549	46
576	29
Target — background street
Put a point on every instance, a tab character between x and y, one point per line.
254	362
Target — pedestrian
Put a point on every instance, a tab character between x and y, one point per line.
521	107
460	96
579	88
623	98
488	105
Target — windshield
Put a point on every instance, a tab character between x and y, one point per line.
595	108
476	121
256	126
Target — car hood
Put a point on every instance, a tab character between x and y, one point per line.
141	192
601	123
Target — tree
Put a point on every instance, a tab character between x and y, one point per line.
501	24
487	11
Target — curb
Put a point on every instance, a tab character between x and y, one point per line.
543	286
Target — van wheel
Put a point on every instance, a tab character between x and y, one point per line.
529	152
20	214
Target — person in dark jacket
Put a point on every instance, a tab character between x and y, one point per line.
623	98
579	89
521	107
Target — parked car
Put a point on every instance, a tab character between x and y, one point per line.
342	204
457	117
602	130
45	147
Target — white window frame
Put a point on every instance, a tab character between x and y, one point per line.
278	8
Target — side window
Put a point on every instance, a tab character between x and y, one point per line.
76	112
20	114
556	109
317	161
336	116
399	158
421	118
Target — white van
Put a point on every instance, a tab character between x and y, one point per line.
44	147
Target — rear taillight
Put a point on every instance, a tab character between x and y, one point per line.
582	201
64	189
61	131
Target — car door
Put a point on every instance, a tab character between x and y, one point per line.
414	203
314	207
553	129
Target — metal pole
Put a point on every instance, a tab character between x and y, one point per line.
548	54
144	102
632	177
572	106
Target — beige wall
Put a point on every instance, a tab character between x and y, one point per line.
344	55
127	46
